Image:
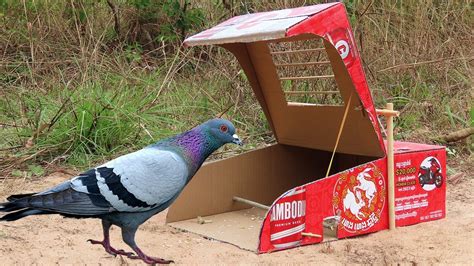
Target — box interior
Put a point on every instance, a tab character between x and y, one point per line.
260	175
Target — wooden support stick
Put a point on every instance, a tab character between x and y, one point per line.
301	104
386	112
303	64
311	92
298	51
391	169
311	235
307	77
251	203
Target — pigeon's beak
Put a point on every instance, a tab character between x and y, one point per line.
236	140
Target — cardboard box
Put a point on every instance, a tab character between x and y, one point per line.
307	203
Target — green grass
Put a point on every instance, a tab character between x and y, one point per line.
73	91
108	116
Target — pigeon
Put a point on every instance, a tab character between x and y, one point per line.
130	189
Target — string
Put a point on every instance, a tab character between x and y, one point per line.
346	111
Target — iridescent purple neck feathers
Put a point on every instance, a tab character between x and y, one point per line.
194	146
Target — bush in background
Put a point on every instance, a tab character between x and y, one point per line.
82	81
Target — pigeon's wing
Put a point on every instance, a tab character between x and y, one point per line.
64	199
60	199
78	196
136	182
140	181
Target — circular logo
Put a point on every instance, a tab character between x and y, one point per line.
343	48
429	174
359	198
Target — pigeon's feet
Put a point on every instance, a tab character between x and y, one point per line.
109	249
147	259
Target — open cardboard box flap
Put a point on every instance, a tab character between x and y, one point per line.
306	134
248	38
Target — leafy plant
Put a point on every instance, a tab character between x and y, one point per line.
183	18
73	92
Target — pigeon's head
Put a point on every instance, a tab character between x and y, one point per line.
222	131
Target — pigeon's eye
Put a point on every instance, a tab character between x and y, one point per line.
224	128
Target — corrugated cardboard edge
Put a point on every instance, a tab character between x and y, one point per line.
195	39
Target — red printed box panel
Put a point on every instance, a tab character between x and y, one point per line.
285	222
356	196
420	186
360	199
287	219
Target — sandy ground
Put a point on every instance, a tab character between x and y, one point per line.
46	240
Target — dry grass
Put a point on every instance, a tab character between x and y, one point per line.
76	89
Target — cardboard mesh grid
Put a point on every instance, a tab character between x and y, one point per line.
305	72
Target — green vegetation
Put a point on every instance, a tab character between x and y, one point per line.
82	81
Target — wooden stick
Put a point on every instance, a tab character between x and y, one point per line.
386	112
301	104
341	127
311	235
298	51
251	203
307	77
311	92
390	168
201	220
303	64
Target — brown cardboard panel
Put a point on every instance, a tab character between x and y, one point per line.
318	128
313	126
359	133
240	228
239	50
261	175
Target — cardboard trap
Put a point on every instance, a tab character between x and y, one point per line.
331	175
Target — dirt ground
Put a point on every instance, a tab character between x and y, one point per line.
50	239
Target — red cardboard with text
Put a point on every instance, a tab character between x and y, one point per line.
420	186
358	196
355	196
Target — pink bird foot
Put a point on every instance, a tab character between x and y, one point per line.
109	249
147	259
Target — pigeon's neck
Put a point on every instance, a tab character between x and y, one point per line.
193	145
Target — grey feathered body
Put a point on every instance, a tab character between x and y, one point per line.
130	189
127	190
164	175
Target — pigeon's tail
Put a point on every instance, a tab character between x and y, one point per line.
19	196
22	213
14	203
17	206
61	199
